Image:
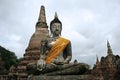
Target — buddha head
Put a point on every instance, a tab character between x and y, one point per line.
56	26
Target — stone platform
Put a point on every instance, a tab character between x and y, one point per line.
60	77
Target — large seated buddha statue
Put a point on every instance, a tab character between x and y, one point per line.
56	54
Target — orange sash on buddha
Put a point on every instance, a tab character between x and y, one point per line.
57	48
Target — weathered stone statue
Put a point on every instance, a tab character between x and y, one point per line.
56	54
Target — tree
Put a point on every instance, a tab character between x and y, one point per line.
9	58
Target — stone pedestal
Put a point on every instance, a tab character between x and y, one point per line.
60	77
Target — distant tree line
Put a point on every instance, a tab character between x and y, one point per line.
7	59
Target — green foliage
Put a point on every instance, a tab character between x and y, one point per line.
94	66
9	58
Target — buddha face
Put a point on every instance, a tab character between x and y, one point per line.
56	28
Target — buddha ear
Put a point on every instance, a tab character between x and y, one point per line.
60	33
51	32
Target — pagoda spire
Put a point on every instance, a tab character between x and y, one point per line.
97	62
109	50
42	16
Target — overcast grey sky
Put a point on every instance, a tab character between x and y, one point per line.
87	23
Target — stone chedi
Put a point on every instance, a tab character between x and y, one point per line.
32	52
108	67
97	73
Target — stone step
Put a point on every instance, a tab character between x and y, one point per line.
60	77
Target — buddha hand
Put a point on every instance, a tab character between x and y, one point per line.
41	64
